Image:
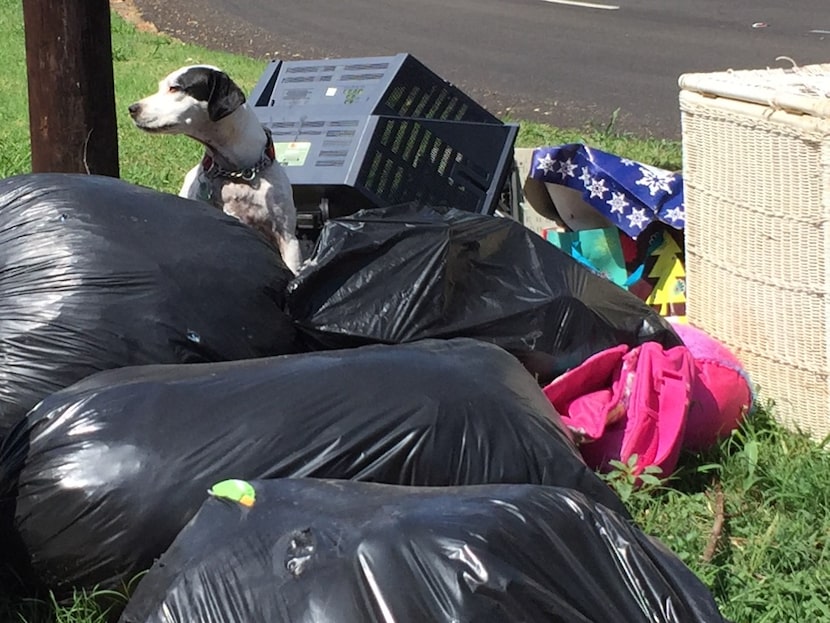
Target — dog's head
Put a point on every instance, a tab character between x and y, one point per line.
187	99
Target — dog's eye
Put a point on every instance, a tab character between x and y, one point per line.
174	88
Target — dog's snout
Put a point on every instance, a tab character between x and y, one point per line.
134	109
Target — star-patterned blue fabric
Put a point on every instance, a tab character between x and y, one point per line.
630	194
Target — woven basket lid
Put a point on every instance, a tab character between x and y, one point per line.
802	90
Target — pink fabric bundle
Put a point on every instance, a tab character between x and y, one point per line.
623	401
651	402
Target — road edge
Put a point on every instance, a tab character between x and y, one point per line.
129	12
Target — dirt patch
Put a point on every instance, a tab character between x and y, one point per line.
128	11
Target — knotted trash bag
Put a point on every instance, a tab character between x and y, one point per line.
97	273
284	551
100	477
412	272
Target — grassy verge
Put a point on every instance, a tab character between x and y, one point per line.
770	563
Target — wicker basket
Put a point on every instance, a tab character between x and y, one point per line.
756	171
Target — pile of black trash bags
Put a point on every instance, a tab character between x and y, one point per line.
365	442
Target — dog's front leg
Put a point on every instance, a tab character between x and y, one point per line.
190	187
290	251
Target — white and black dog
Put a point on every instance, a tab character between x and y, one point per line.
239	173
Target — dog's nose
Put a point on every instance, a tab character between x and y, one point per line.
134	109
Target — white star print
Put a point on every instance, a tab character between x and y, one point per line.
618	203
655	179
567	168
546	164
597	188
676	214
637	219
586	177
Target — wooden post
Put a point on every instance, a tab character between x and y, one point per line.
72	118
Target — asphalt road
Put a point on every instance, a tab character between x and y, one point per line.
532	59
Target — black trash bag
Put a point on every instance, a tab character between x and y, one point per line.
100	477
409	272
96	273
344	552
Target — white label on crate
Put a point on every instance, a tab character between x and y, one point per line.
292	154
331	91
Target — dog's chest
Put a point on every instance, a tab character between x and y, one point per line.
243	200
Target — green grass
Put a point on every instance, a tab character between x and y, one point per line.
94	606
657	152
772	562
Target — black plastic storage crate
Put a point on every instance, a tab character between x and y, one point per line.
371	132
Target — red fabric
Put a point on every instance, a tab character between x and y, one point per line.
629	248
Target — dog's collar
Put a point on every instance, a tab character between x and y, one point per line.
213	170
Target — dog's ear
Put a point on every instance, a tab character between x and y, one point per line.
214	87
225	96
